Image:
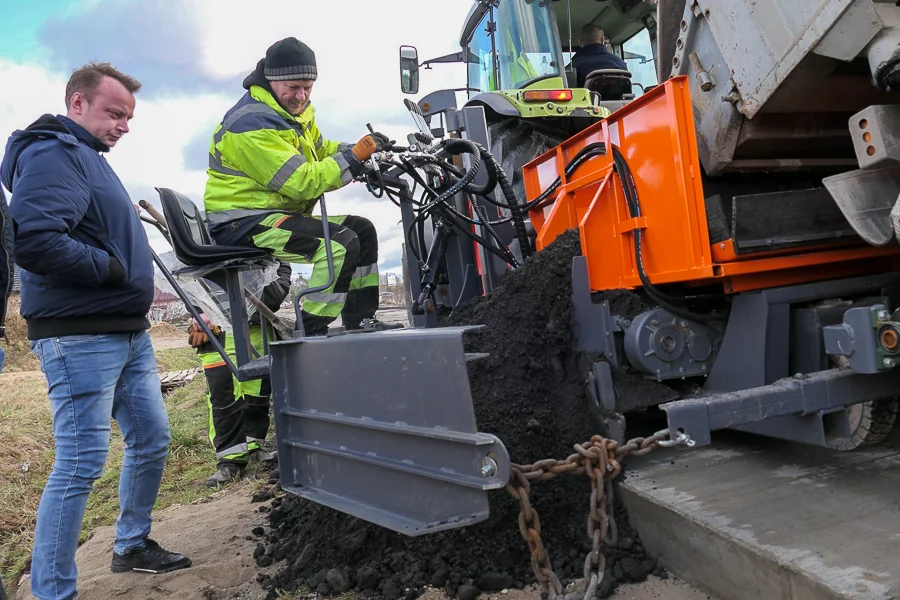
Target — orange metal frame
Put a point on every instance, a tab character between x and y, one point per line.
655	134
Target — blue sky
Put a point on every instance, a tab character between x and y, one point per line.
21	22
191	56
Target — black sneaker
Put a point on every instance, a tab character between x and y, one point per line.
150	558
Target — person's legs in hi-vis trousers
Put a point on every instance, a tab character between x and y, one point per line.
238	412
354	245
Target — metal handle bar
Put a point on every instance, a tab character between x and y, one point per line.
326	235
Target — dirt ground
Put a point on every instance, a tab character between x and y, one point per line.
213	534
168	337
217	536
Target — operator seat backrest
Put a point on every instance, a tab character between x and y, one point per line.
190	236
611	84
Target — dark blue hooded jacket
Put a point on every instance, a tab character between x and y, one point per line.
85	259
594	57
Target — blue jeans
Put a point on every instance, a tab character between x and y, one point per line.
93	379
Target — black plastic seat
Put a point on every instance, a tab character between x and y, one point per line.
190	236
611	84
194	246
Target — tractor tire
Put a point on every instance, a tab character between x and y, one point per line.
870	423
517	141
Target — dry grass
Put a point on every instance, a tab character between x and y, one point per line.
26	435
177	359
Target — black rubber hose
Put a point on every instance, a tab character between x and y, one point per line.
495	175
456	146
468	219
634	210
451	145
471	234
586	153
518	213
480	211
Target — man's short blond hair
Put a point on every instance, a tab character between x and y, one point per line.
592	34
86	79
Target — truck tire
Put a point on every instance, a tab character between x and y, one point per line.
870	423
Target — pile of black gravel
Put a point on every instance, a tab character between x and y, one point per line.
529	393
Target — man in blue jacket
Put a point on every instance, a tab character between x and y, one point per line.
593	54
86	287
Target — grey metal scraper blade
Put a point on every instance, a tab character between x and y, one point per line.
866	197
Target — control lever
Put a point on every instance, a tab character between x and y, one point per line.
419	119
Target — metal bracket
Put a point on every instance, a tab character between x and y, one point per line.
867	337
594	325
602	394
381	426
800	395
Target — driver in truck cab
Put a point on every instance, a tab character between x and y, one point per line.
268	166
593	54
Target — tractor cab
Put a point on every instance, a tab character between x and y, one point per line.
518	55
629	28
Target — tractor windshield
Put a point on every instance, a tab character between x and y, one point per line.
525	42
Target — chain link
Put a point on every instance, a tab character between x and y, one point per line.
600	459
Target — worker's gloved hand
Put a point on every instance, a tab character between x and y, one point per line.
196	337
388	142
369	145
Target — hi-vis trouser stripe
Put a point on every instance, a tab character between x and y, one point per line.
364	277
234	452
299	239
227	399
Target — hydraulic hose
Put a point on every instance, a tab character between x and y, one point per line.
456	146
470	174
495	175
512	204
586	153
634	210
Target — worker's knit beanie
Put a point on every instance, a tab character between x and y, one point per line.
290	59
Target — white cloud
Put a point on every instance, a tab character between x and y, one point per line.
356	44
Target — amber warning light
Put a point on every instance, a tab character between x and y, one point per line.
548	95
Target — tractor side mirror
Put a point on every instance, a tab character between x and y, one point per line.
409	69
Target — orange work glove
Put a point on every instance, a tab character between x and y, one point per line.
369	145
196	337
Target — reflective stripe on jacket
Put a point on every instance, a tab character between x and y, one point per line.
264	159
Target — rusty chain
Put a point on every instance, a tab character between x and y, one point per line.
600	460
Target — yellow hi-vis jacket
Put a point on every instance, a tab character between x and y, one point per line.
263	159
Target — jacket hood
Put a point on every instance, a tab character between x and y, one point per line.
46	127
257	78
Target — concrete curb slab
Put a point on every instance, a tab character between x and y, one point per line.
754	518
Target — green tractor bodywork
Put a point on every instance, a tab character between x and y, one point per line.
514	46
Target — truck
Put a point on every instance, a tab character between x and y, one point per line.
741	177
